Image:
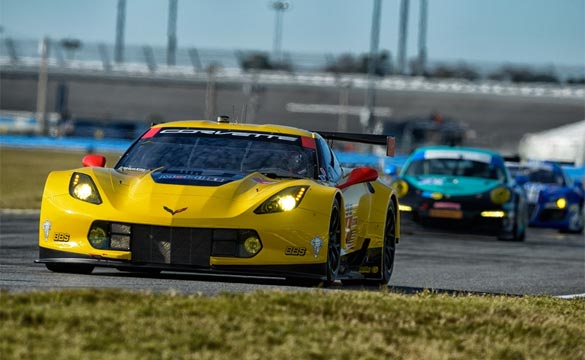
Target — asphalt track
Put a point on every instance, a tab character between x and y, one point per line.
547	263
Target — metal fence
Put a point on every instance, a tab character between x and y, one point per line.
193	64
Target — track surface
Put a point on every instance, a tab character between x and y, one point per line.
547	263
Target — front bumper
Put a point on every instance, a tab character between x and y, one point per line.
465	212
308	271
296	239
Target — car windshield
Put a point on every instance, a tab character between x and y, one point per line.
202	149
455	167
543	176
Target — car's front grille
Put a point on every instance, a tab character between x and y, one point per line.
171	245
552	215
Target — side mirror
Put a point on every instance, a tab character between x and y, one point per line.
521	179
359	175
94	161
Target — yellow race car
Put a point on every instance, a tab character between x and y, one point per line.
221	197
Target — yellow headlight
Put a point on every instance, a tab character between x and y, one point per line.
285	200
493	214
287	203
82	187
500	195
82	191
403	207
400	187
561	203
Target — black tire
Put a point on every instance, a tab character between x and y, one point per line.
389	247
334	243
517	234
70	268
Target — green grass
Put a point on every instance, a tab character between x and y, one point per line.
109	324
23	173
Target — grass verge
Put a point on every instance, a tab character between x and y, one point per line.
109	324
23	173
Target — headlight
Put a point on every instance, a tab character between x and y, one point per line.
500	195
285	200
83	188
403	207
561	203
400	187
493	214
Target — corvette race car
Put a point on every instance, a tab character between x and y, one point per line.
462	187
554	199
221	197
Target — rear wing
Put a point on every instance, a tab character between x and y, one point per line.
388	141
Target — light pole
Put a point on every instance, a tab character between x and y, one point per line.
403	31
422	38
279	7
172	33
368	119
120	23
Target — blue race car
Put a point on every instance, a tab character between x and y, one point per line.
463	188
554	199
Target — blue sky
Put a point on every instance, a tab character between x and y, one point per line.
538	32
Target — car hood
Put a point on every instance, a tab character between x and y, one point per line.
452	185
536	190
143	193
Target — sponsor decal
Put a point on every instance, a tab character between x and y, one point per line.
454	154
173	212
192	178
295	251
46	229
351	220
533	192
432	181
62	237
230	133
150	133
316	243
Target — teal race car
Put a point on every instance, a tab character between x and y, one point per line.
461	187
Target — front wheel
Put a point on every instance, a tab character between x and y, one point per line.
334	243
519	228
389	248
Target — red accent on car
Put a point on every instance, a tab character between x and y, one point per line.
308	142
94	161
150	133
359	175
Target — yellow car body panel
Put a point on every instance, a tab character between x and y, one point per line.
288	238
